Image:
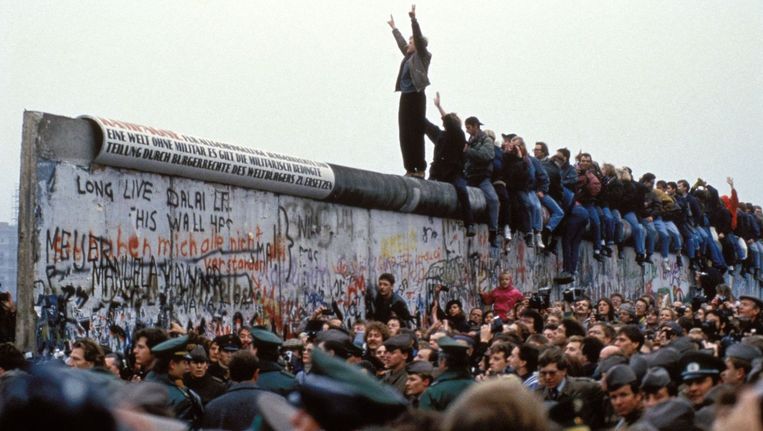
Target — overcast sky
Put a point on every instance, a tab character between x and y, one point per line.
671	87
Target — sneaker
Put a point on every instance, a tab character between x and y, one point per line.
529	240
666	264
597	255
640	258
606	251
545	237
679	261
507	233
539	241
470	231
648	259
564	277
620	253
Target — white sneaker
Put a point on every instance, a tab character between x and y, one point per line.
666	264
539	241
507	233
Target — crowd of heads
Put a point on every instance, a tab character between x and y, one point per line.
605	362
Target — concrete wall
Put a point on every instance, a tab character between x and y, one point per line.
111	246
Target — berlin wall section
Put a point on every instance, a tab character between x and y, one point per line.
106	246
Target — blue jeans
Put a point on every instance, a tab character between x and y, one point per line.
662	232
740	252
557	215
637	232
651	236
619	232
690	240
595	224
491	199
675	236
716	255
577	220
609	225
521	210
536	214
756	248
463	200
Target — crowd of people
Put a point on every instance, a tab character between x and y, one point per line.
579	195
519	361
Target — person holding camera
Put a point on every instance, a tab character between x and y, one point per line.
504	297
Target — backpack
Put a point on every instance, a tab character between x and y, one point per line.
592	183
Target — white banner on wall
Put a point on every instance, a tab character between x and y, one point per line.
143	148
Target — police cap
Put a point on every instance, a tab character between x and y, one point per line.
655	379
174	348
619	376
264	338
743	351
695	365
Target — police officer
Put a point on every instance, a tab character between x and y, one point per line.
273	378
738	361
700	373
454	379
171	365
339	396
625	395
657	386
399	349
418	380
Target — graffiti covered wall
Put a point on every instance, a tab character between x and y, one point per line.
113	249
118	247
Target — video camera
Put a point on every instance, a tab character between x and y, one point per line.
540	300
573	295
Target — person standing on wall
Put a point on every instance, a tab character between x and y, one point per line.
411	81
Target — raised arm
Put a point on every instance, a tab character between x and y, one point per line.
401	42
438	105
418	38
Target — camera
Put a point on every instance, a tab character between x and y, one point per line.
540	300
572	295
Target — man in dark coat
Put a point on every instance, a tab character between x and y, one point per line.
557	386
386	302
199	380
237	408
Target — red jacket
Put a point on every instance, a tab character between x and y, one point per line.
503	299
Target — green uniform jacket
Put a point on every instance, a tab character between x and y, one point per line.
445	389
184	402
274	379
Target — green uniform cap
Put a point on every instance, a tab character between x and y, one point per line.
265	338
451	345
177	348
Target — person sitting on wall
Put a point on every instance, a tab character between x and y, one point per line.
386	302
448	161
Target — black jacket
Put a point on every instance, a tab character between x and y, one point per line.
448	160
516	172
554	180
633	199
